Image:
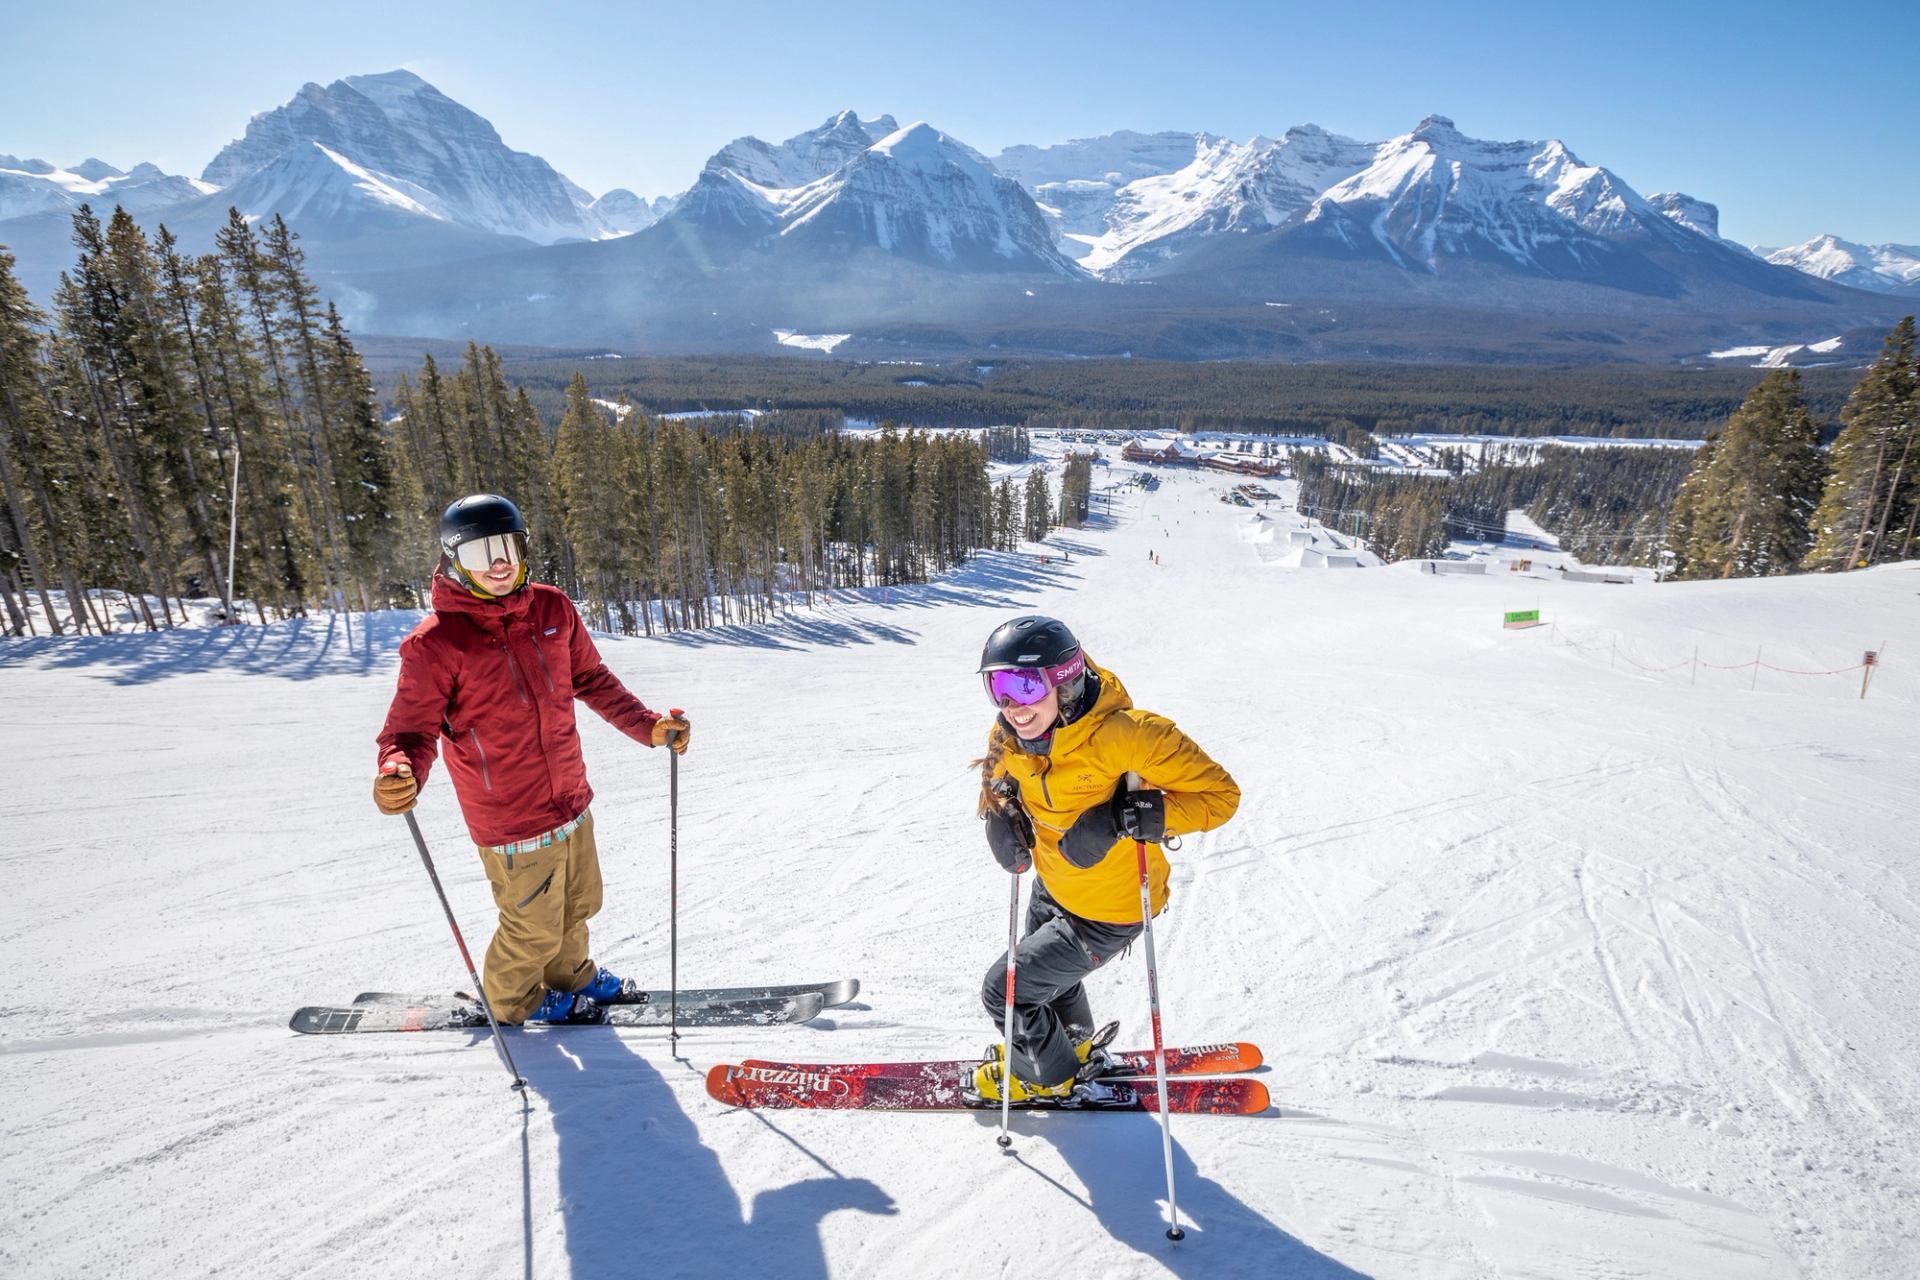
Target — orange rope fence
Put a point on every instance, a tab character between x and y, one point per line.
1756	664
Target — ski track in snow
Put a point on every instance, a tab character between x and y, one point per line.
1560	970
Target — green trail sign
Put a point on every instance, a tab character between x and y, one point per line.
1519	620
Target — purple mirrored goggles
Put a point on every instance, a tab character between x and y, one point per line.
1028	685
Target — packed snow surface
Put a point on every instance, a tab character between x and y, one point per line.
1764	357
809	341
1565	963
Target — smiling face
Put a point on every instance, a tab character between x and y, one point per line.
1034	719
494	565
499	577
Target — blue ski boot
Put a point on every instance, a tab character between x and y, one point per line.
607	988
566	1006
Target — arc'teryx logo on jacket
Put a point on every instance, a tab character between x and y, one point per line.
1084	763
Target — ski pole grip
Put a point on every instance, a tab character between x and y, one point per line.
676	713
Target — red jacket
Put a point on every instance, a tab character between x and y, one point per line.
497	679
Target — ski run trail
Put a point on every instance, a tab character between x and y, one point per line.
1567	961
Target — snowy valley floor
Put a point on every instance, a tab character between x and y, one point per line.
1562	969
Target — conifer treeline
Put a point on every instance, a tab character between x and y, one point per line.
1382	397
123	413
657	524
1758	498
122	416
1604	504
1761	500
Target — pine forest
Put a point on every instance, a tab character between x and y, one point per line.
178	427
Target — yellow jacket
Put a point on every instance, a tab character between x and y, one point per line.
1089	758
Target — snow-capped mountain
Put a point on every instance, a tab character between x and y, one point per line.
1113	158
1075	183
1880	268
805	157
860	226
1694	215
416	141
29	187
1227	187
920	194
621	213
321	191
913	193
1435	194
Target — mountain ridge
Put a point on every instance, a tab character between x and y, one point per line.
414	207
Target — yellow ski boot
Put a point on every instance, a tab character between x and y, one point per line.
986	1086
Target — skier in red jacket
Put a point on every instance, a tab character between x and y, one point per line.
495	671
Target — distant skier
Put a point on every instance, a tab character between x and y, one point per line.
1054	795
495	671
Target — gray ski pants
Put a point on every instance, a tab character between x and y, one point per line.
1050	1007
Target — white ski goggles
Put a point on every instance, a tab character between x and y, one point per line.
480	554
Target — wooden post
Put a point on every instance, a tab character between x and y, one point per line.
1695	678
1755	684
1866	675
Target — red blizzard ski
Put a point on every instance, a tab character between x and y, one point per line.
938	1086
1194	1060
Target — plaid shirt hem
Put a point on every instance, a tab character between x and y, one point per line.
541	841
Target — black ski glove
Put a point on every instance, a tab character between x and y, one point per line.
1137	815
1009	829
1146	815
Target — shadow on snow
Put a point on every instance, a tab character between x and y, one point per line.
298	649
358	643
1119	1163
640	1193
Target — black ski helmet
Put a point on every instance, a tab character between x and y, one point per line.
1032	641
477	516
1039	642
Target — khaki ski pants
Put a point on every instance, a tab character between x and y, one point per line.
545	899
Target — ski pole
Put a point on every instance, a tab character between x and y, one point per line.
1159	1044
480	992
1006	1052
673	886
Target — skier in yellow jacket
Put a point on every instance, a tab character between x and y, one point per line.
1054	794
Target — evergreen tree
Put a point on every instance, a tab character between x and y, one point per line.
30	454
1006	525
588	472
257	281
1870	495
366	488
1039	510
1748	516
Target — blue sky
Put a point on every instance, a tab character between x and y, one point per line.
1794	120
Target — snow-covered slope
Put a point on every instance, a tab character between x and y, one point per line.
1881	268
320	191
1564	964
